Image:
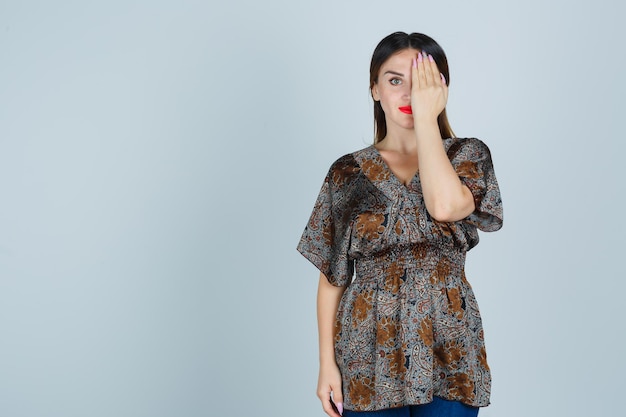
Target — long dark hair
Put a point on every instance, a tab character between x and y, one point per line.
391	45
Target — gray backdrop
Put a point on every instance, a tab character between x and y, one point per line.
159	160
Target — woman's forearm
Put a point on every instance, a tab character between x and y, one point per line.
445	196
328	297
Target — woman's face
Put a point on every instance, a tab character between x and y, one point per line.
393	88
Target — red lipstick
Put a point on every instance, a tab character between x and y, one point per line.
406	109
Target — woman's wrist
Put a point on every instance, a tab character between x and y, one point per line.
427	128
324	361
327	359
425	121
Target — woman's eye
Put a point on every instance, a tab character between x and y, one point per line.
395	81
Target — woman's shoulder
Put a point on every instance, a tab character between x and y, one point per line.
472	145
353	157
352	160
350	163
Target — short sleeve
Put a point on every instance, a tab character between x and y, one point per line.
471	159
326	239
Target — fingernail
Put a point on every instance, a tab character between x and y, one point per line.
340	408
420	58
443	78
430	58
414	62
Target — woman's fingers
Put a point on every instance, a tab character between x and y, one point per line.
329	390
426	71
421	71
330	407
338	399
429	92
429	62
414	75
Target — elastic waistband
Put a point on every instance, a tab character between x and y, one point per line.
419	255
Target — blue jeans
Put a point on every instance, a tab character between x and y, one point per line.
438	408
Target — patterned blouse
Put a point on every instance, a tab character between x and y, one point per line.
408	326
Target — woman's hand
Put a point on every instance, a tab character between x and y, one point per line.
329	382
429	91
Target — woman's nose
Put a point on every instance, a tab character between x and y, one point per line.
406	92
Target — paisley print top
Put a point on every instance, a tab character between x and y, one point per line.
408	325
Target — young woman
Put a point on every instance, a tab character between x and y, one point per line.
399	329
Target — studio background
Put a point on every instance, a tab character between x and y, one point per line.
159	161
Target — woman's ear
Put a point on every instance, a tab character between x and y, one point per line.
374	92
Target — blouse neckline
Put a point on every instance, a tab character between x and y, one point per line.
394	177
391	173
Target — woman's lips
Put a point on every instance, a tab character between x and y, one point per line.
406	109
